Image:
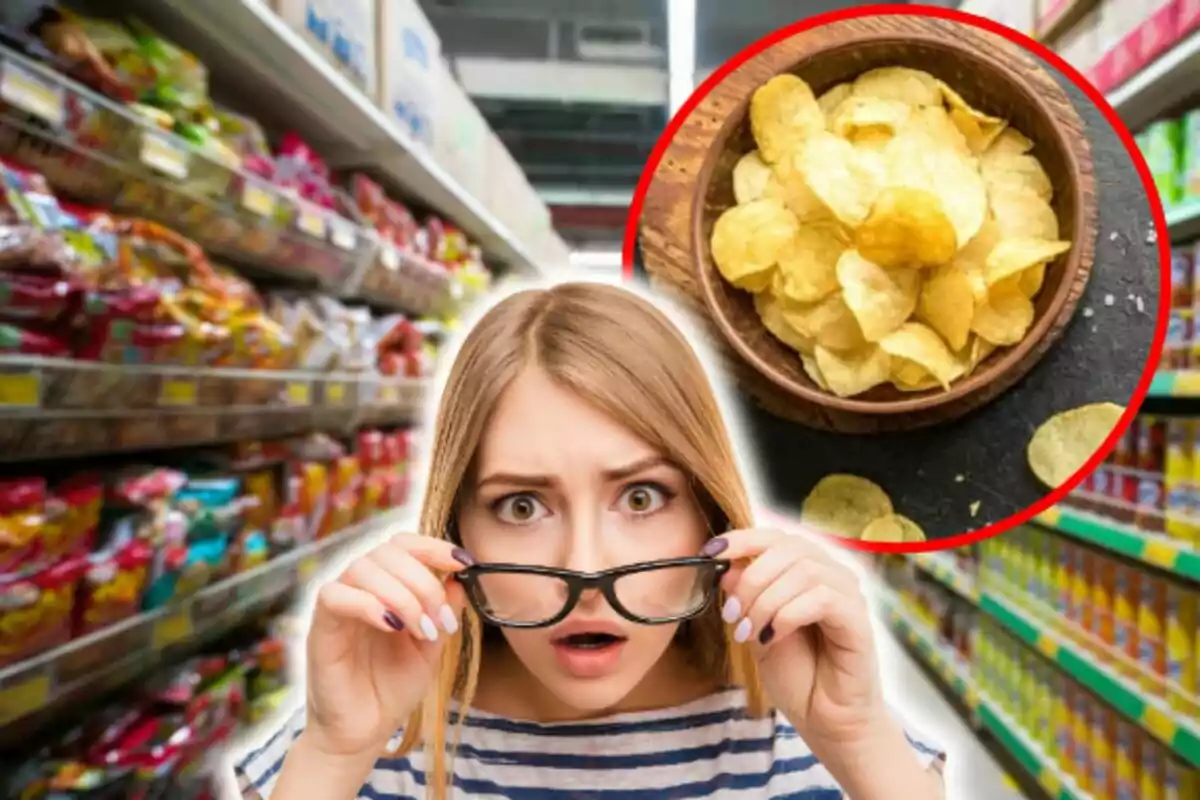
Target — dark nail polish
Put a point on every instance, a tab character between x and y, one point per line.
462	557
393	621
714	547
766	635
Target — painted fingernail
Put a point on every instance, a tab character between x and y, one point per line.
449	619
463	557
714	547
742	632
766	634
428	629
732	610
393	622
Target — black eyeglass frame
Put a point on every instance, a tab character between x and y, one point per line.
579	582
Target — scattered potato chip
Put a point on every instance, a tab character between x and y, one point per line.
909	86
783	112
868	118
808	265
1062	445
1017	171
813	371
979	129
852	372
748	239
947	304
1005	317
906	228
921	345
893	528
828	323
880	299
844	505
753	178
833	98
1012	257
831	167
771	311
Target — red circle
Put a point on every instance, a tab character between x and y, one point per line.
1093	94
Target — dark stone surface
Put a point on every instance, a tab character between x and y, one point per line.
936	474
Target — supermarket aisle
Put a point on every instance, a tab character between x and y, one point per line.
972	773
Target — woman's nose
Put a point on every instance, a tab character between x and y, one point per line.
584	544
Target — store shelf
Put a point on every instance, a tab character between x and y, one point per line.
1178	733
1156	551
1159	86
1172	383
88	666
250	49
948	666
946	572
1031	757
1183	221
1061	16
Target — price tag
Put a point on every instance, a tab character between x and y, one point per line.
1047	646
257	199
1160	554
299	394
389	395
32	93
306	568
177	392
24	697
390	257
1187	384
21	390
172	629
342	233
335	394
163	155
310	221
1160	723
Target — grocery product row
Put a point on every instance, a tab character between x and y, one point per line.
157	740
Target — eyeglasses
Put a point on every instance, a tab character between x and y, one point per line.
650	593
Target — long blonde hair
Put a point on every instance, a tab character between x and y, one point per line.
624	356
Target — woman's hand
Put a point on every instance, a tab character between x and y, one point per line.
376	636
808	618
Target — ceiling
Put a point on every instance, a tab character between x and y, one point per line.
577	89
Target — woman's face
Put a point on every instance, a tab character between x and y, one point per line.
559	484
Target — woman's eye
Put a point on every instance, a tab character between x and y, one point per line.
644	499
520	509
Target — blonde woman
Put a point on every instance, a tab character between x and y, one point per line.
587	611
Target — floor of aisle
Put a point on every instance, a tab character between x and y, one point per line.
972	772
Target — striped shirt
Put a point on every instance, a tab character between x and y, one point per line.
706	748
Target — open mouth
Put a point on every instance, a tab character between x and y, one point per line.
589	641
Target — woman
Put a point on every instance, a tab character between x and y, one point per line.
588	612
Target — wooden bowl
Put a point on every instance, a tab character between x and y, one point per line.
991	80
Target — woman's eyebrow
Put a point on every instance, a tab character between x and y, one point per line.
641	465
515	479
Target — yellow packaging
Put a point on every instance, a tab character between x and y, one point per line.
1062	721
1178	477
1082	593
1182	781
1102	742
1127	761
1181	645
1028	701
1047	580
1125	616
1152	613
1153	770
1081	739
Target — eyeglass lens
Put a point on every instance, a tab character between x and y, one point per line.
663	593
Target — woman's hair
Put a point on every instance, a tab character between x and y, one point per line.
622	355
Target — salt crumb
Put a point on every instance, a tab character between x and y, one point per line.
1151	236
1112	237
1109	300
1141	306
1094	329
974	508
1130	297
1088	312
959	478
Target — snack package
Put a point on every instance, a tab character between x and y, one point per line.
112	584
73	517
22	524
36	610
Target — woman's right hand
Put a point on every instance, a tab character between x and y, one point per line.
376	636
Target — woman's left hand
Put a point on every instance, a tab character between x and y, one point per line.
807	616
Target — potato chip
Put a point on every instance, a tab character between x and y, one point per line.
909	86
1062	445
1017	171
771	311
828	323
844	505
937	125
1019	212
915	160
831	167
1011	140
833	98
1031	280
808	265
906	228
921	345
880	299
1005	317
800	199
979	129
852	372
753	178
909	376
976	251
813	371
977	351
868	118
783	112
747	241
947	304
894	529
1012	257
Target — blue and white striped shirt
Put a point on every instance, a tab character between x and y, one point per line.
706	748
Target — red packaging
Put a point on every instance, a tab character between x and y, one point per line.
370	449
1103	72
36	610
1189	16
1157	33
72	529
111	586
1177	347
1151	444
22	523
1182	265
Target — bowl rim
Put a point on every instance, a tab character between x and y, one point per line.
1010	363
